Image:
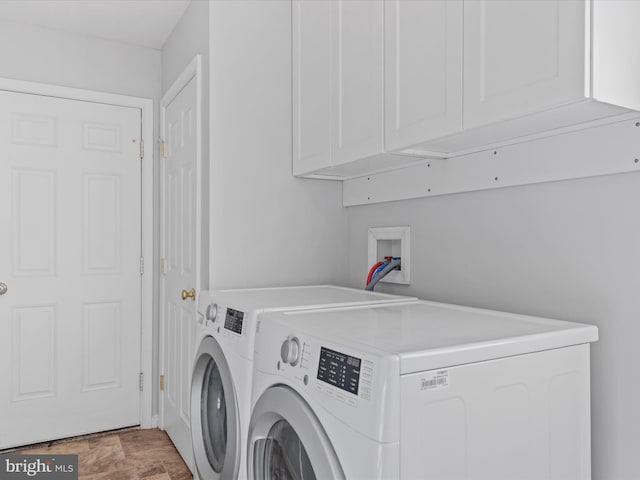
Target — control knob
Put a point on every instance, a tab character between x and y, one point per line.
211	312
290	351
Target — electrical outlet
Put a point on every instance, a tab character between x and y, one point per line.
391	242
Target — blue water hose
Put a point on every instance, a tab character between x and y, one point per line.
379	275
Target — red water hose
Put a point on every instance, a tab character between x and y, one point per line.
372	271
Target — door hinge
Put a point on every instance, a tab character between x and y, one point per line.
141	149
141	265
161	382
163	149
163	265
141	381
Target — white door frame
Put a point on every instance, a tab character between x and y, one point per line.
146	107
192	70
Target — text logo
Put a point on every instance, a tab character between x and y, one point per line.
50	467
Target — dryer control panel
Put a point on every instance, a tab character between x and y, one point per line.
340	370
231	325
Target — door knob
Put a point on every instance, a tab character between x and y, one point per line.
3	288
190	294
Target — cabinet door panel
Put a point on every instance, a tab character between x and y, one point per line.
311	85
358	76
521	57
423	70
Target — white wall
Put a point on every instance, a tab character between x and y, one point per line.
267	227
567	250
189	38
50	56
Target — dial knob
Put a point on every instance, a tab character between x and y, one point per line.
290	351
212	312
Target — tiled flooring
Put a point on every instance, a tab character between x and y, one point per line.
127	455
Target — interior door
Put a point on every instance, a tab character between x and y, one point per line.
180	264
70	251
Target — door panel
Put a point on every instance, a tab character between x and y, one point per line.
521	57
34	242
70	255
312	33
357	68
423	70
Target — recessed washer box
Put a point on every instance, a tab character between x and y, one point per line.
391	242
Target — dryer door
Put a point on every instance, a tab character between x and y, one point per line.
286	440
214	414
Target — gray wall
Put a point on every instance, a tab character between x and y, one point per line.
567	250
267	227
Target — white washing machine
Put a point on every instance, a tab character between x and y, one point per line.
419	391
223	364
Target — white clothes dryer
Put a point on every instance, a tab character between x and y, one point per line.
419	391
223	366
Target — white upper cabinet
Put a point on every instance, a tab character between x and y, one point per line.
338	97
378	83
312	81
521	57
423	70
532	68
616	52
357	69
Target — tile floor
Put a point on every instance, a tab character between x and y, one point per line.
124	455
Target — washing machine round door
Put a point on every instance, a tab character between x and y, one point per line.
214	414
287	442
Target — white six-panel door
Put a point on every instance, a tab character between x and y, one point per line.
180	255
70	221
